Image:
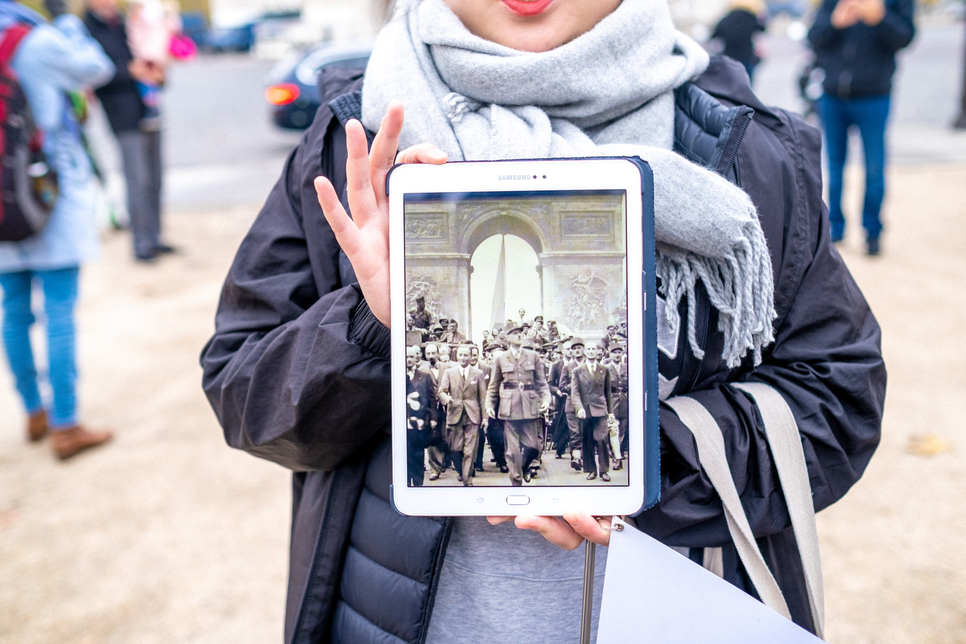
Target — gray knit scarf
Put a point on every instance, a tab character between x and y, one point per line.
606	93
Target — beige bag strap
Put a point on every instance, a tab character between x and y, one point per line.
786	450
711	452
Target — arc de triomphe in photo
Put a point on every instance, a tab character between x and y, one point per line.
578	240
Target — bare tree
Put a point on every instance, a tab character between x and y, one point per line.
960	122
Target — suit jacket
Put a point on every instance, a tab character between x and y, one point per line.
468	394
528	388
618	384
422	384
453	339
591	391
554	379
565	385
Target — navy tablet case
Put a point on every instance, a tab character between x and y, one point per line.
652	437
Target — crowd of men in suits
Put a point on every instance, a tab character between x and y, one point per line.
524	394
422	326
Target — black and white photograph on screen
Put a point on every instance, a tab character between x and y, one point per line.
516	338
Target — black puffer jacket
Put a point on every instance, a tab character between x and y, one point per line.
860	60
298	373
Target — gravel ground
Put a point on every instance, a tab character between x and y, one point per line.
166	535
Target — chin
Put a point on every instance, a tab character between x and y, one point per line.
534	41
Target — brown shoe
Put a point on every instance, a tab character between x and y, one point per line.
37	426
69	442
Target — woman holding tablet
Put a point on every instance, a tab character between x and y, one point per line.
751	288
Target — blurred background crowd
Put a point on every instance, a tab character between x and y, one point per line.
163	534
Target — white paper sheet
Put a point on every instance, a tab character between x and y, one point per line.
655	595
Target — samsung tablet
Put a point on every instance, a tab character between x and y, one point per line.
523	342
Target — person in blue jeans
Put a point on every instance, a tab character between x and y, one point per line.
52	59
855	42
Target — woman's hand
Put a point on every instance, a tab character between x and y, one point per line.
568	531
365	237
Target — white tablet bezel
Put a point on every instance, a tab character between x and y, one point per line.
527	176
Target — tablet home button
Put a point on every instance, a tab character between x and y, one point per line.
518	499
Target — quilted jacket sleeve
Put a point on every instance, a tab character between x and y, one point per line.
298	368
826	360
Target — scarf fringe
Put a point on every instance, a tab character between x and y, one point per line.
740	285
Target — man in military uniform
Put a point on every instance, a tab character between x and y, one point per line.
537	333
422	320
518	389
462	391
553	333
618	387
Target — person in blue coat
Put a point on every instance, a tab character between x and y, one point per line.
856	42
51	60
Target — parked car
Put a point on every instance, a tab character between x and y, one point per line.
194	25
237	38
278	33
293	93
242	34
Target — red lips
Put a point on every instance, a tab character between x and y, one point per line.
527	8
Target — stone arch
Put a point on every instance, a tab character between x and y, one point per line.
500	221
577	239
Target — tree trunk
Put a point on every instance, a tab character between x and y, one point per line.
960	122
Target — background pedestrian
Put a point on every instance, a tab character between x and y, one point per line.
51	60
855	42
139	140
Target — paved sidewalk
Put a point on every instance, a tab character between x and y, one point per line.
168	536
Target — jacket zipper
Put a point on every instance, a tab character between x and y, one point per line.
739	135
738	129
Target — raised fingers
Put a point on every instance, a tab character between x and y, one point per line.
359	188
346	232
384	146
386	143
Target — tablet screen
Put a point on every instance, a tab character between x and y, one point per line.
516	330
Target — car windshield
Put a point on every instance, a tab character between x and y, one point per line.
307	71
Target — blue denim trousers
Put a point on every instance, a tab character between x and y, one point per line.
60	294
869	115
